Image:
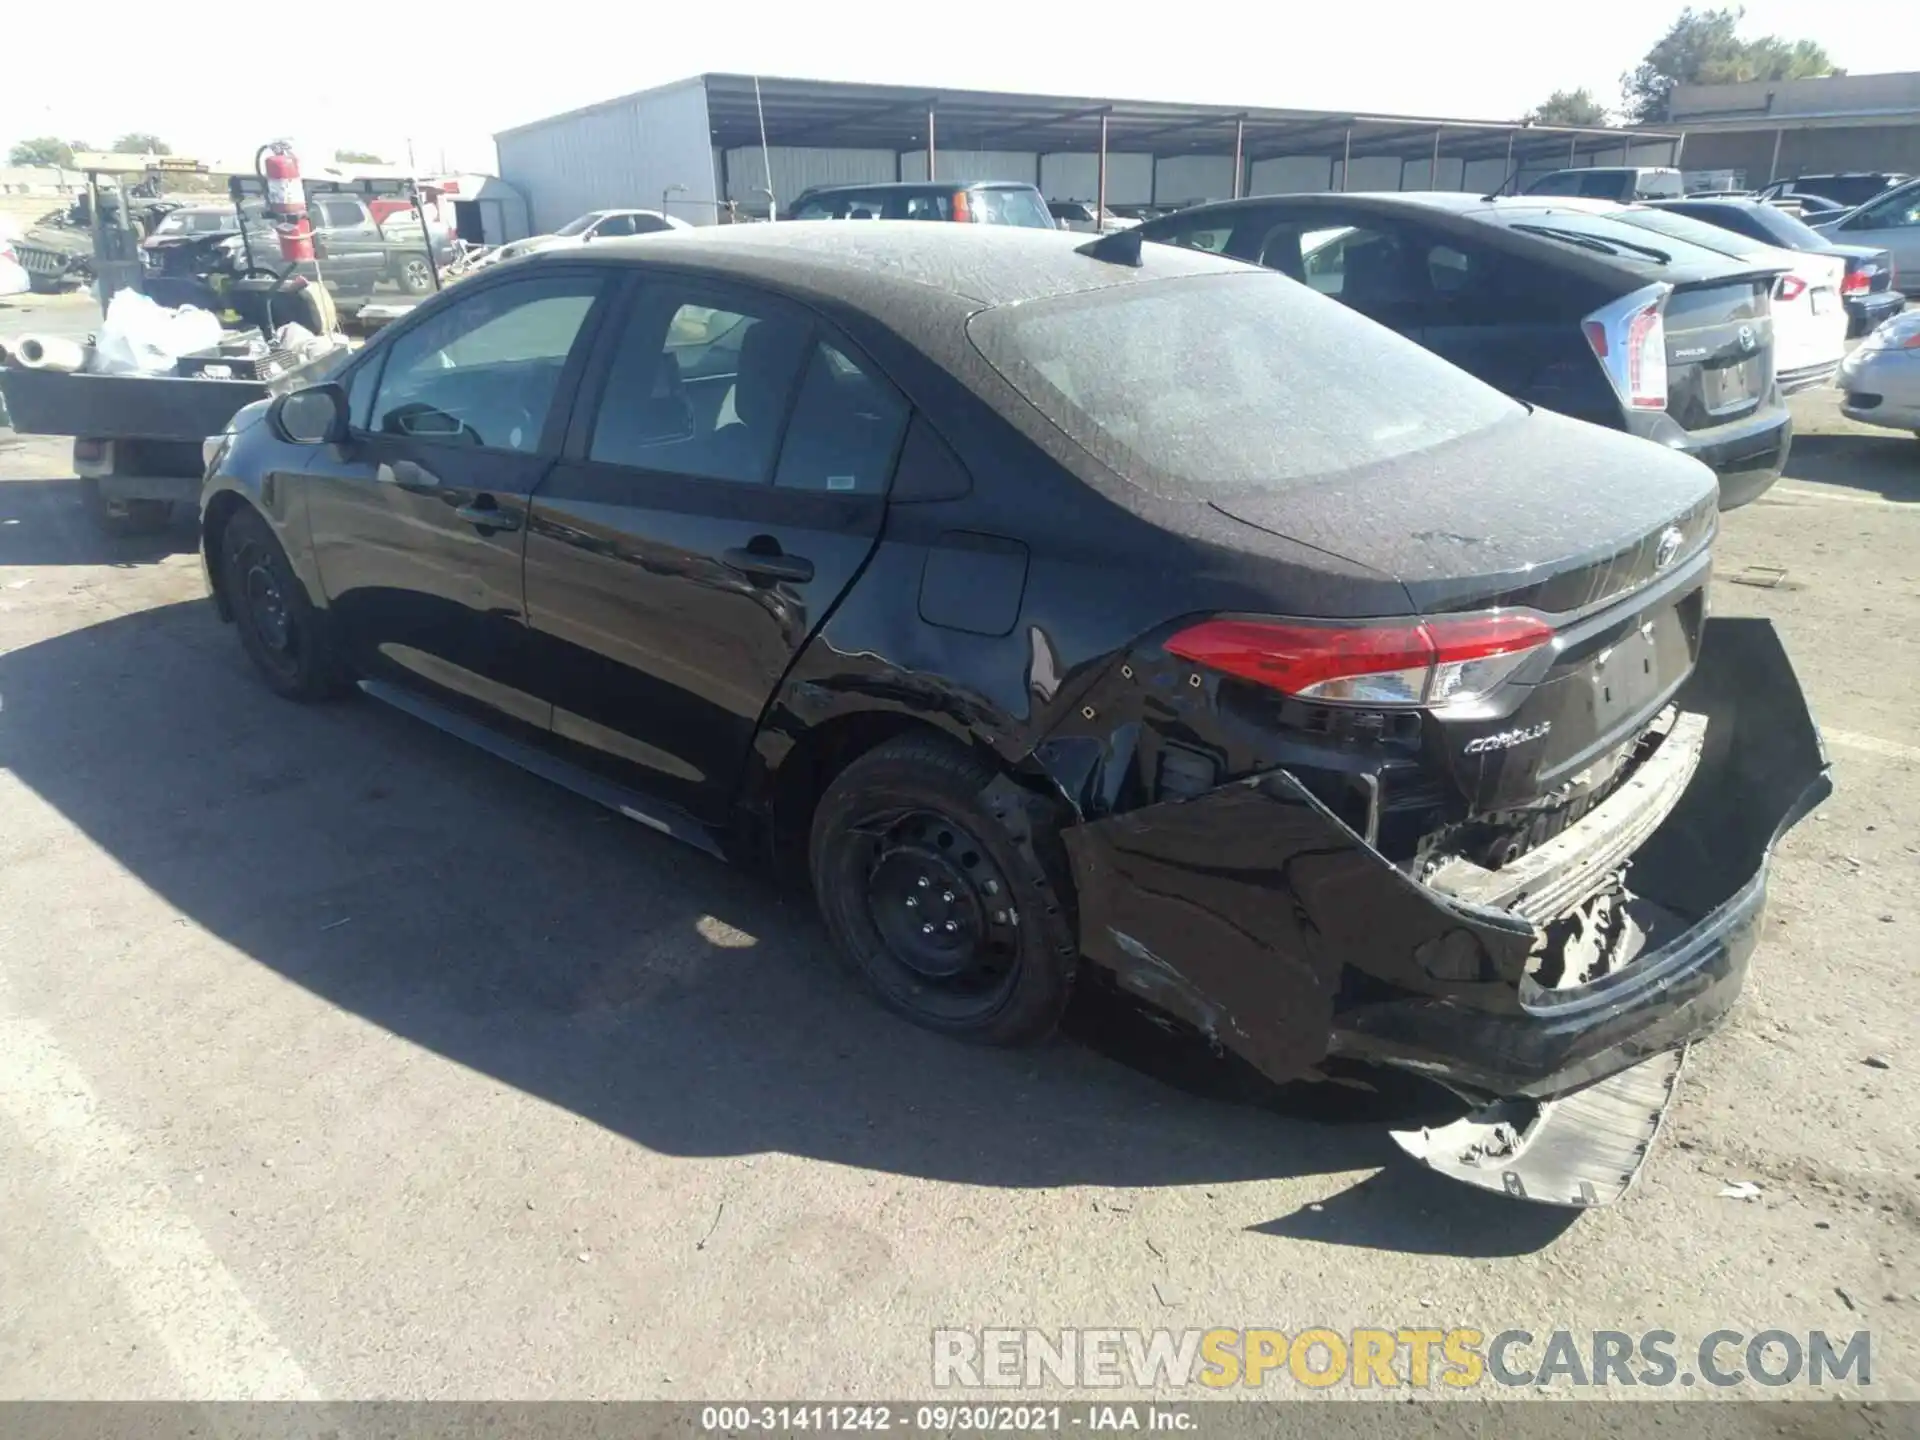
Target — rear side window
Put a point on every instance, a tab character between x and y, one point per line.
1229	383
845	430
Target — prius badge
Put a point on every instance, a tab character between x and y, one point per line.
1670	542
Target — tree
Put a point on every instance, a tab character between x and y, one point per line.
139	142
45	150
1703	47
1567	107
358	157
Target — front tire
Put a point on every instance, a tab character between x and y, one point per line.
930	899
288	640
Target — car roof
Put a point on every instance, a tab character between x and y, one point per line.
883	187
895	268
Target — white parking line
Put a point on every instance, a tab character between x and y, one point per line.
1839	497
219	1346
1872	745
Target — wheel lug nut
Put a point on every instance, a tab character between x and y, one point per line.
926	929
912	904
993	887
999	917
951	927
923	882
947	895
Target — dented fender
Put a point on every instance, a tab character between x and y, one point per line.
1257	915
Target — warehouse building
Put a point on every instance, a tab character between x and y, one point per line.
718	146
1758	131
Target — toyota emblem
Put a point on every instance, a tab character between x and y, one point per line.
1669	546
1748	340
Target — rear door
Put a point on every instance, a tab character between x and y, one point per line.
710	509
352	252
419	520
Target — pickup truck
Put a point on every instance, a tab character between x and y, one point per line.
354	252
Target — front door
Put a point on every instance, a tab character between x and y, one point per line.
704	520
1892	223
419	520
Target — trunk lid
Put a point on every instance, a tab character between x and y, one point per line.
1720	353
1602	534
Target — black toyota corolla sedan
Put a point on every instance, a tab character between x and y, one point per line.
1063	609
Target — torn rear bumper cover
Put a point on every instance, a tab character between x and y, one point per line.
1255	914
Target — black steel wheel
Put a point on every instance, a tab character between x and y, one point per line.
283	635
933	902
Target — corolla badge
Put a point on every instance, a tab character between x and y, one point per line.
1507	739
1748	340
1670	541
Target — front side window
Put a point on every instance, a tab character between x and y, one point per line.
339	214
612	226
1898	211
485	370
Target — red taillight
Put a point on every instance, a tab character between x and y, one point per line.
1647	360
962	211
1857	282
1789	287
1396	663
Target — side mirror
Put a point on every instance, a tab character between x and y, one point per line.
316	415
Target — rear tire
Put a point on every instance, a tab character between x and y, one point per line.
123	517
414	276
289	642
931	900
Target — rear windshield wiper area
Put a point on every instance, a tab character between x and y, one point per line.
1607	246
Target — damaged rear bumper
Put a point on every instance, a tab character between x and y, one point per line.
1255	914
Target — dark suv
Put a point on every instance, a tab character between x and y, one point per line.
1559	305
981	202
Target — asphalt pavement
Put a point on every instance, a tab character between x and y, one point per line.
340	1060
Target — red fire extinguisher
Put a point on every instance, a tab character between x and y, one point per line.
286	201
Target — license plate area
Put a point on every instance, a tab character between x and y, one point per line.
1825	301
1732	385
1623	678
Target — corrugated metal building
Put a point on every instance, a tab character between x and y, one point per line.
717	144
1765	130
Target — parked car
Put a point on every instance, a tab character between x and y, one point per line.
1551	302
1866	288
1881	378
981	202
1809	318
1890	223
1845	191
1620	183
592	226
1026	598
1079	215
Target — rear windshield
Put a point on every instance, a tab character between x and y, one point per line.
1229	383
1605	233
1780	227
1016	205
1593	184
1694	232
1847	189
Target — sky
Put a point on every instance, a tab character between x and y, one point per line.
440	83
